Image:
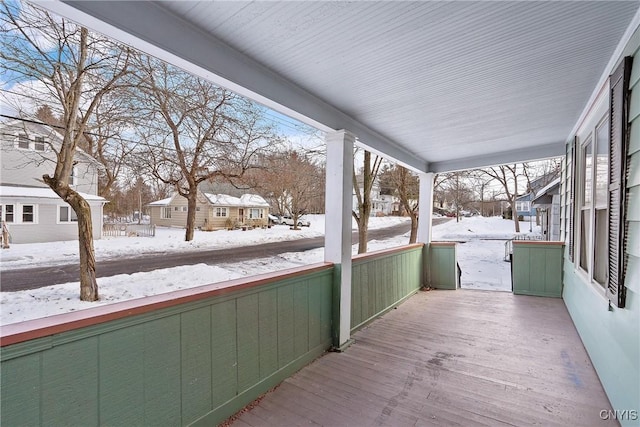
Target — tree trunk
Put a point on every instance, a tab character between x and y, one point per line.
514	215
191	215
88	283
414	228
363	227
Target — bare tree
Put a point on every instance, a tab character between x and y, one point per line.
480	182
406	186
457	190
75	70
362	191
508	177
291	181
195	131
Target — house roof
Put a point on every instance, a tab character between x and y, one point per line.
163	202
543	196
246	200
9	191
438	86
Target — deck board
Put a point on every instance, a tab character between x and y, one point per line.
466	357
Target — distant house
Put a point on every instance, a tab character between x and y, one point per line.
31	211
213	211
380	204
524	204
547	203
524	207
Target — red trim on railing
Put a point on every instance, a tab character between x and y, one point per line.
38	328
538	242
443	243
385	252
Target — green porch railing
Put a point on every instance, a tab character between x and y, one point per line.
536	268
191	357
381	280
443	271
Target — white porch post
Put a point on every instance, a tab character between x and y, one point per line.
337	240
425	217
425	208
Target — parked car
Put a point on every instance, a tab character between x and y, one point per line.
274	219
288	220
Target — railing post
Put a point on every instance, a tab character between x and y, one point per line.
338	205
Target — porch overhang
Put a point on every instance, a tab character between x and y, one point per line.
436	86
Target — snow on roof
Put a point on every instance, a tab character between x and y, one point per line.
246	200
40	193
253	200
162	202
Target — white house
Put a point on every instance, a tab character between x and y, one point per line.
31	211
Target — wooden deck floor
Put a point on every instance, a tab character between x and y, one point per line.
448	358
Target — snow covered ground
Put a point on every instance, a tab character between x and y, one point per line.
478	270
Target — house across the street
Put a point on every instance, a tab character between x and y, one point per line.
213	211
30	210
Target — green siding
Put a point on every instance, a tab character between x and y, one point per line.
443	267
20	388
194	363
537	269
610	334
69	384
379	283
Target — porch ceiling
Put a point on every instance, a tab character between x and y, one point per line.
436	85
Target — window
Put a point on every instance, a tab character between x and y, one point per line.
28	213
7	213
67	214
184	208
599	161
39	143
176	208
221	212
165	213
523	206
73	176
23	141
593	216
255	213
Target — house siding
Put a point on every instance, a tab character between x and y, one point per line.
610	334
26	167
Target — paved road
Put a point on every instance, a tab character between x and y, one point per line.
37	277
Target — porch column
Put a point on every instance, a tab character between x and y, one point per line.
337	240
425	216
425	207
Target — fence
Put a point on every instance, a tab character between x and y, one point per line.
129	230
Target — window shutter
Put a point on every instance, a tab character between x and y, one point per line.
618	143
572	196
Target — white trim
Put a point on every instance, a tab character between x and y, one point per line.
71	211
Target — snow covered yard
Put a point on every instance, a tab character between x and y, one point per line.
43	302
480	249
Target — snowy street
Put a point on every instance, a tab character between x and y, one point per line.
481	262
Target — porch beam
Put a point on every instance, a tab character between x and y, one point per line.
425	207
337	240
525	154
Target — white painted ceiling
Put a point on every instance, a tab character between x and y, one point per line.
437	85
